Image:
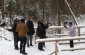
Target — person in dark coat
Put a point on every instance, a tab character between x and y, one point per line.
41	33
31	31
15	34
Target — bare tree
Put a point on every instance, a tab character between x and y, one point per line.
2	8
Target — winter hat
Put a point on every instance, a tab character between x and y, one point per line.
70	23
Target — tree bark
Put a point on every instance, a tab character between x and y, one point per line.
58	15
2	9
43	10
10	11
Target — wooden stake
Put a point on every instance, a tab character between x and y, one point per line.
56	49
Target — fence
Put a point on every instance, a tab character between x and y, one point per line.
57	46
52	32
57	40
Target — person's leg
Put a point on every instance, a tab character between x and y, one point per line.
27	41
14	38
15	41
43	44
24	45
21	44
40	46
30	40
71	44
16	45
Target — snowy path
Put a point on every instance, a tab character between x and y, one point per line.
7	48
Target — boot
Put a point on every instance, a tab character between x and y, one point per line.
24	53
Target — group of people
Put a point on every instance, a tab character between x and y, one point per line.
24	31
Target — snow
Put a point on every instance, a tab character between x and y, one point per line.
7	46
6	34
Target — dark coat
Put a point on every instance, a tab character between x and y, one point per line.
14	25
15	34
41	30
30	27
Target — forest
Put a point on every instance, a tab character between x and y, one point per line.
50	10
56	14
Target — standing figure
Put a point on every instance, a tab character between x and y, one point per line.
72	32
41	33
31	31
22	30
15	34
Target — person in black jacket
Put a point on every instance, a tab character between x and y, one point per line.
31	31
41	33
15	34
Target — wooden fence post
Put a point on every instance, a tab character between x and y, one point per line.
56	48
79	31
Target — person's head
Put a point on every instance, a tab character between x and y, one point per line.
17	21
22	20
41	20
30	17
70	23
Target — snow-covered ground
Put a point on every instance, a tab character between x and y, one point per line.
7	47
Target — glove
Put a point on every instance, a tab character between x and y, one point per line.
65	26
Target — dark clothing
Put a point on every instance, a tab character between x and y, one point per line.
22	44
16	39
71	44
41	33
15	25
40	45
22	31
31	27
41	30
31	32
15	34
29	39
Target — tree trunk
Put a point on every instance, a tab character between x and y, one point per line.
58	15
2	9
43	10
10	5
